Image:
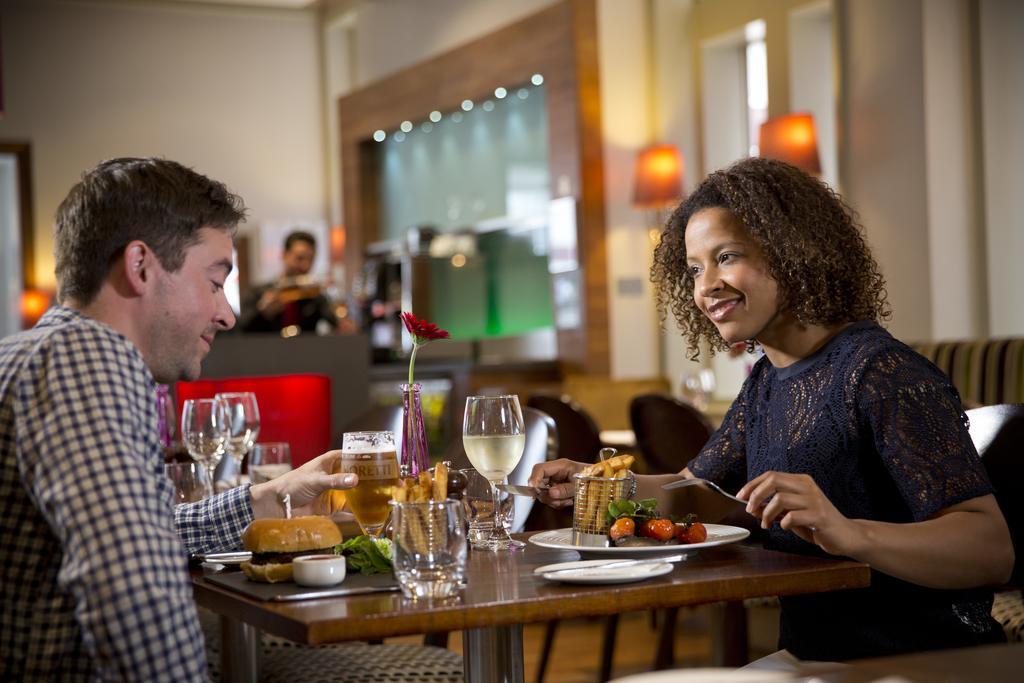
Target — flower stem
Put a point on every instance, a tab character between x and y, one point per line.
412	360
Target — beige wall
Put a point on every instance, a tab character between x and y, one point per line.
234	93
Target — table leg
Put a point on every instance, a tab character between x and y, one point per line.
240	651
493	654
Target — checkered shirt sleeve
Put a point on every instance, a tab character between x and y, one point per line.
215	524
90	460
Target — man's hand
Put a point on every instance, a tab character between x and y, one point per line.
558	475
305	486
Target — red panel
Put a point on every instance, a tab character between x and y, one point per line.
293	408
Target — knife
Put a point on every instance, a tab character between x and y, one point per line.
516	490
619	563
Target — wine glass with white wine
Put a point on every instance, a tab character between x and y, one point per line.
243	422
205	433
494	438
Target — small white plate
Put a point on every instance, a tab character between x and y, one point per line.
561	539
713	675
636	572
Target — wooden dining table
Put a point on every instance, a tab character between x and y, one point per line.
502	593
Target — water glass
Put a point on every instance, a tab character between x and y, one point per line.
478	507
429	547
191	482
269	460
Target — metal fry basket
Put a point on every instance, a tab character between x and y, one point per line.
593	494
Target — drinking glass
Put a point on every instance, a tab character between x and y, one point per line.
372	456
242	415
204	430
478	506
269	460
430	547
494	439
191	483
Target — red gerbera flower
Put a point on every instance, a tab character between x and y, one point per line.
422	332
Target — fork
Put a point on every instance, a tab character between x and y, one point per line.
683	483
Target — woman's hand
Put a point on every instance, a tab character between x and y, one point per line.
558	475
304	486
801	507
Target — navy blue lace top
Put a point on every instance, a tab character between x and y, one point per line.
882	432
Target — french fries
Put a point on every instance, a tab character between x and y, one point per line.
592	497
608	468
428	486
422	526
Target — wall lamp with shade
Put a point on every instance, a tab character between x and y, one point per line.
791	138
658	182
34	303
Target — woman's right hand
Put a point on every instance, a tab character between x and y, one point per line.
557	474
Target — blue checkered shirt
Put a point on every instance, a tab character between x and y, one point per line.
93	578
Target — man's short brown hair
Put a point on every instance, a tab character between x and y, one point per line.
157	201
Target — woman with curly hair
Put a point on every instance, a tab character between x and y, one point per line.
843	441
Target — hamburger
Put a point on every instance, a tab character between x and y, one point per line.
274	543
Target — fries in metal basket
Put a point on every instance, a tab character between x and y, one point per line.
596	486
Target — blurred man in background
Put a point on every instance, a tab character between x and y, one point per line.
294	302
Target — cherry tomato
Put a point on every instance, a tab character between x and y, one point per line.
622	527
661	529
691	533
645	529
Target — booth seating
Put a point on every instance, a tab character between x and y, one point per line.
984	371
293	408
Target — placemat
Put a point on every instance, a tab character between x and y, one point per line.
352	585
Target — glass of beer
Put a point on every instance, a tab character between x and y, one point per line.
372	456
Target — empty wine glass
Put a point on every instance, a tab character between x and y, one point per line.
242	415
204	430
494	439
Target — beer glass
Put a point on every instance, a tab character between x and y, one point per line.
372	456
494	438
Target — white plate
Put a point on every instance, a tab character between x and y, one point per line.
707	676
561	539
638	572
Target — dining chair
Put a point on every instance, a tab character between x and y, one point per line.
541	445
578	435
669	433
998	432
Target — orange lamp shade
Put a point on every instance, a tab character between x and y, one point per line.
658	179
34	303
791	138
338	239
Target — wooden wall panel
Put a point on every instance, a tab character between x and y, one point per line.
560	43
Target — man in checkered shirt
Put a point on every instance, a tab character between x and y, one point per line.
93	577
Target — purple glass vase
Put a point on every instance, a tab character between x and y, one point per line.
415	458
